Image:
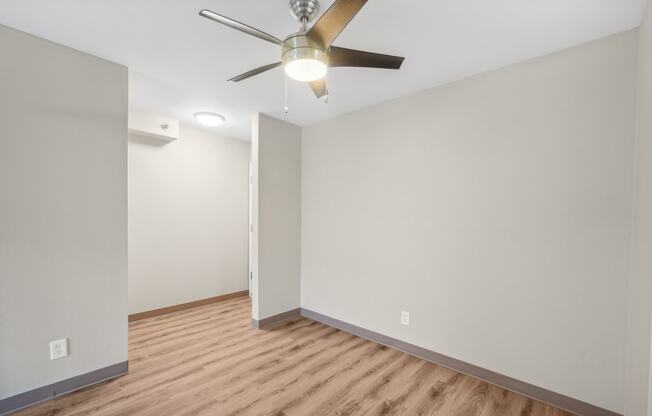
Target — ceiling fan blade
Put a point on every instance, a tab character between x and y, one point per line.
256	71
234	24
319	87
351	57
334	20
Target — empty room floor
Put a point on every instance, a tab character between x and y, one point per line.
209	361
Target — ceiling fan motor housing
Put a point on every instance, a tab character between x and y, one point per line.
299	46
304	10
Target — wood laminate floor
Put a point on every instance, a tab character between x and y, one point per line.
209	361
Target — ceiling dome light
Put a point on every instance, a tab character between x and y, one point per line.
209	119
306	70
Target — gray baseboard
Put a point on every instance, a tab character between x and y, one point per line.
537	393
561	401
41	394
274	320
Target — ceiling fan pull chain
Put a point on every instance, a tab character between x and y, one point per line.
327	84
286	94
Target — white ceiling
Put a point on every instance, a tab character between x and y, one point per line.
179	62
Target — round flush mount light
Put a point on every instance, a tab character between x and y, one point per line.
209	119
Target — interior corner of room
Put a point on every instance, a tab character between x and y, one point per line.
480	245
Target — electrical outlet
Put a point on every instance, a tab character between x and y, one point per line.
405	318
58	348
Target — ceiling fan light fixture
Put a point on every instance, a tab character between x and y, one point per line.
303	60
306	70
209	119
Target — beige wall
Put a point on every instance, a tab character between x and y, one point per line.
496	210
640	284
276	166
63	211
188	218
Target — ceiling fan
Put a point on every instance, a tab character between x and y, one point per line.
307	54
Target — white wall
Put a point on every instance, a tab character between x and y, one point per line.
276	166
496	210
63	211
188	218
640	283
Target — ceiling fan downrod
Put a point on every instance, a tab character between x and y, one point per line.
305	11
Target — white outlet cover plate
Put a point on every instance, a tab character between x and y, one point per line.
405	318
58	348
